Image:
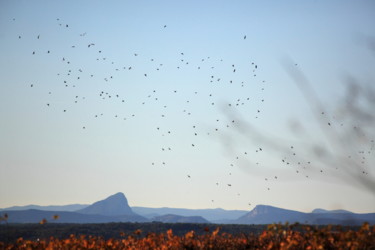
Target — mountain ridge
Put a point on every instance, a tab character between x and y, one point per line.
36	216
68	208
113	205
211	214
321	210
265	214
172	218
115	208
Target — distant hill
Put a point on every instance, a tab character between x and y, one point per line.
70	208
35	216
263	214
172	218
114	205
216	215
321	211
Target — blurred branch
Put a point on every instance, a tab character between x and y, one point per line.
348	146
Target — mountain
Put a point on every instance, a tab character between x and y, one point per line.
172	218
346	218
115	208
263	214
114	205
321	211
71	208
35	216
216	215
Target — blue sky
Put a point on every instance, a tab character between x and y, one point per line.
94	124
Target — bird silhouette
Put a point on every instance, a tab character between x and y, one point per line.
126	81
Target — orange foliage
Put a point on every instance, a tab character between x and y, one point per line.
275	237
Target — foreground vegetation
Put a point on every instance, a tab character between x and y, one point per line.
34	231
270	237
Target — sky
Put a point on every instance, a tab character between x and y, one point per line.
187	104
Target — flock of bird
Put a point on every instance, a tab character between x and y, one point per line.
162	102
